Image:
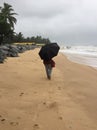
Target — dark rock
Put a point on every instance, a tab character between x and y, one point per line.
12	50
2	55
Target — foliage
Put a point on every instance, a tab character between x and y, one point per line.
38	39
7	21
7	34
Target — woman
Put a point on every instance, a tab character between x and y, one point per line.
49	64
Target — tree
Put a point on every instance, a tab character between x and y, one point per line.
20	37
7	21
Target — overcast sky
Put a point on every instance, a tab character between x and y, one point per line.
68	22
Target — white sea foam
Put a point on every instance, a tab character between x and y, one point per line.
81	54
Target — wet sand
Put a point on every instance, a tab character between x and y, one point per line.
29	101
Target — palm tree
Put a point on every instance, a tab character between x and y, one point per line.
7	15
7	21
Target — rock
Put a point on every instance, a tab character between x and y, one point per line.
12	50
2	56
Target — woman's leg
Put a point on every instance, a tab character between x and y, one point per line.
48	68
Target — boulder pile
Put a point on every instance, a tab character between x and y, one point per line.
12	50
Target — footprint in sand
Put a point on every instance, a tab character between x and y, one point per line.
60	118
50	105
36	126
21	94
53	105
14	123
11	123
44	103
2	119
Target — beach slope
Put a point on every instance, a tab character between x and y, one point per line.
29	101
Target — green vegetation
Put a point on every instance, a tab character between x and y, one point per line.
38	39
7	21
7	34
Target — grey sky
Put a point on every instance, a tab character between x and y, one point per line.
64	21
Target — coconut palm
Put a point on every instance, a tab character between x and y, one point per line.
7	15
7	21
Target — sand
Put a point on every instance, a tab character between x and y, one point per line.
29	101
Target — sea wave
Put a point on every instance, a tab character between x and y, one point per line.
81	54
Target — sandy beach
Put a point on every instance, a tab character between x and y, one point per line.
29	101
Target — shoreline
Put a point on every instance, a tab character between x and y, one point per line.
82	59
30	101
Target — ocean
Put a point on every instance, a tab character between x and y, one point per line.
86	55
